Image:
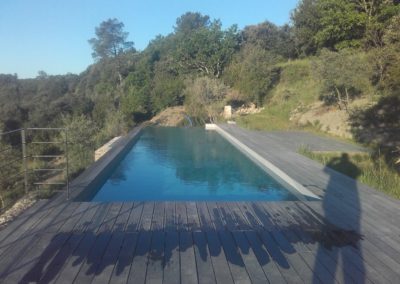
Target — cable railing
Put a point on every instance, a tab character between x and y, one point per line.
33	160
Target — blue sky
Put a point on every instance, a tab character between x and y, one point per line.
52	35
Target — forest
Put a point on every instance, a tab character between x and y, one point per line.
353	47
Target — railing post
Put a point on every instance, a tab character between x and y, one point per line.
24	158
66	161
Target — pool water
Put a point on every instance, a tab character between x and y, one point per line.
190	164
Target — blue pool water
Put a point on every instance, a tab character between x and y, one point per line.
188	164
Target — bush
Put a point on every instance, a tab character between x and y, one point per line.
205	98
344	75
81	137
253	73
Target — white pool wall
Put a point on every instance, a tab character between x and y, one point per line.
271	169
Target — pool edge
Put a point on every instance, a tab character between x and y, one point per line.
94	175
300	191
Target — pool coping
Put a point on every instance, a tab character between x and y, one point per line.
295	187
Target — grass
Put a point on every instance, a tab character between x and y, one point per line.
370	171
297	88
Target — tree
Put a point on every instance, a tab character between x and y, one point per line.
167	89
377	14
111	42
252	73
268	36
190	21
206	50
306	23
81	135
204	98
341	24
344	75
337	24
386	58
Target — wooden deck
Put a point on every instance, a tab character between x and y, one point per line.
351	236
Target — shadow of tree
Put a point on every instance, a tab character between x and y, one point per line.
378	126
270	234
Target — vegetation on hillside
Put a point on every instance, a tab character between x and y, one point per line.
333	50
373	170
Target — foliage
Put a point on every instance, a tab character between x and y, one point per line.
253	73
111	40
374	172
204	98
207	49
81	137
190	22
378	126
306	22
167	91
386	58
345	75
341	25
297	87
337	24
268	36
11	182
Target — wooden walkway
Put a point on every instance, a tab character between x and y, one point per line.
351	236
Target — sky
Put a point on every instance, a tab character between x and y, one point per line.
52	35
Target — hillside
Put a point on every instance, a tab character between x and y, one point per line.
294	103
335	72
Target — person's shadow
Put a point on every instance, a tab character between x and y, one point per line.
339	242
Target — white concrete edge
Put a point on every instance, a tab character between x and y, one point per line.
268	166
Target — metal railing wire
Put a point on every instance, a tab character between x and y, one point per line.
16	162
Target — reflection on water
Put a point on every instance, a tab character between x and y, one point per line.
188	164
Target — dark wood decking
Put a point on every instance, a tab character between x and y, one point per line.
350	236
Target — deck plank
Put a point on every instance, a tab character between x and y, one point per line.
99	246
108	261
83	218
122	266
138	269
235	261
251	263
158	217
29	268
84	242
181	216
18	248
204	217
147	216
269	267
134	217
205	270
215	215
154	273
218	258
188	260
172	272
193	217
19	225
280	257
170	224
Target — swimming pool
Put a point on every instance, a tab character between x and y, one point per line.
187	164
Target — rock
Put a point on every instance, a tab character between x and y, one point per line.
19	207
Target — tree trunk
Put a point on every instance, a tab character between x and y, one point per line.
339	98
